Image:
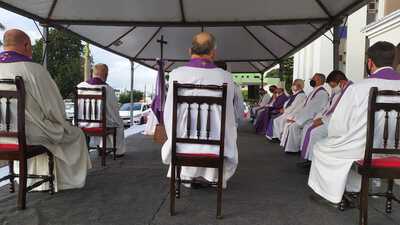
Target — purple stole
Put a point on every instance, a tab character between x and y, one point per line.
264	118
313	95
11	56
292	98
326	113
96	81
201	63
386	74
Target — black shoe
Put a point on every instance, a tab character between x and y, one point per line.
304	165
275	140
119	155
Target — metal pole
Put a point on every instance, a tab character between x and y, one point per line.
45	42
281	71
132	83
336	43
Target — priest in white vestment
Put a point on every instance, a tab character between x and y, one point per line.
334	155
100	75
315	103
264	100
317	129
45	119
294	104
201	70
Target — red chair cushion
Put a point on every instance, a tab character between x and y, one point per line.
391	161
9	147
197	155
93	129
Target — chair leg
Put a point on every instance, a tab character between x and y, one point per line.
115	144
219	194
363	220
389	196
51	172
172	190
11	172
179	182
22	184
104	151
88	142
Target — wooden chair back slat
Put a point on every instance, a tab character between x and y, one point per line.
89	104
19	97
397	133
199	101
387	108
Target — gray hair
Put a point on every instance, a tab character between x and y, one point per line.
203	47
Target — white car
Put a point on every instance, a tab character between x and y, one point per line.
140	111
69	110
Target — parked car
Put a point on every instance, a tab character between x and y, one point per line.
140	111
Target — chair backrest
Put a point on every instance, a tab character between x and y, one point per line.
90	106
9	98
391	111
209	101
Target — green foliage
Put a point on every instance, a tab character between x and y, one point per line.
64	59
287	73
125	97
245	94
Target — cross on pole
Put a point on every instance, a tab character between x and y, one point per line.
162	43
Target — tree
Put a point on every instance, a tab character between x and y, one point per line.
125	97
287	73
64	52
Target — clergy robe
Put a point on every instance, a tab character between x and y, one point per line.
45	124
264	100
291	107
112	114
334	155
315	103
312	134
151	123
202	72
264	116
238	104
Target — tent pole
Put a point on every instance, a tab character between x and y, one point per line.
336	43
45	44
131	92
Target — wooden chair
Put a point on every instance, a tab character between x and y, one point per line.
197	160
94	110
20	151
385	167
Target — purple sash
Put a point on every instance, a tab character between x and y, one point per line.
313	95
201	63
292	98
11	56
386	74
96	81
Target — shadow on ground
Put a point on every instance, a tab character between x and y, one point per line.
267	189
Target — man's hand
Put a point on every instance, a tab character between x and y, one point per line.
281	110
317	122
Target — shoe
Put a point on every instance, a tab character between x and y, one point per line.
275	140
119	155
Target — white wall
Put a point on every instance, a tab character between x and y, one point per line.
387	29
355	50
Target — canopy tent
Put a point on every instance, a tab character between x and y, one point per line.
252	35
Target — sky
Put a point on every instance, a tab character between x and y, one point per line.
119	67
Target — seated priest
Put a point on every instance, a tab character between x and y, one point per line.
271	110
264	100
45	119
291	106
315	103
317	129
333	156
100	75
201	70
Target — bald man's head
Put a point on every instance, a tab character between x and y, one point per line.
203	45
18	41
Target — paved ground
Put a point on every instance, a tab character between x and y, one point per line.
267	189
